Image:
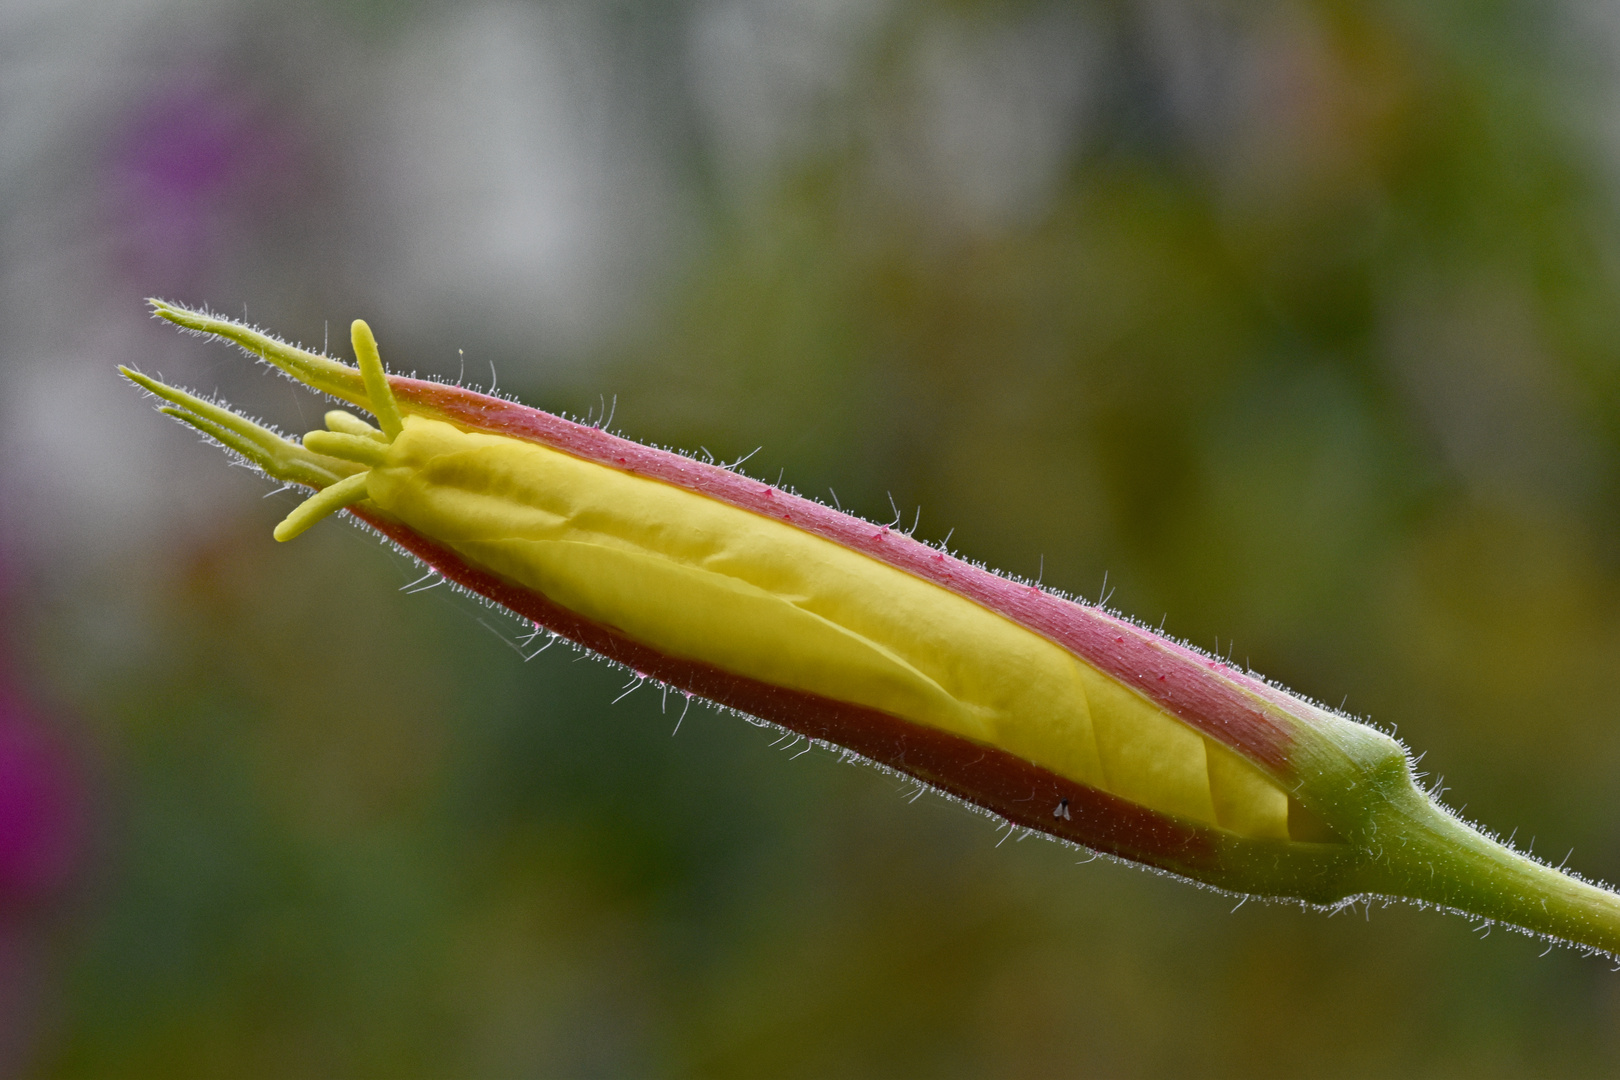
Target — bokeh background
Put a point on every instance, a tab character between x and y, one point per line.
1298	319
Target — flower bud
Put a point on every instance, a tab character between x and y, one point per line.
1052	715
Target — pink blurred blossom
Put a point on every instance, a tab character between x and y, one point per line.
189	166
42	812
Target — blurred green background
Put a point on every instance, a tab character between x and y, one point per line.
1299	320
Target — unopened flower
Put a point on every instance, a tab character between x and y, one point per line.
1056	716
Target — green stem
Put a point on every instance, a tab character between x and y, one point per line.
1421	852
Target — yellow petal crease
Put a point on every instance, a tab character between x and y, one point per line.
700	579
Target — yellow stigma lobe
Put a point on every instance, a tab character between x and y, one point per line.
328	500
347	423
357	448
383	406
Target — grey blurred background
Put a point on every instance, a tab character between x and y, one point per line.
1298	319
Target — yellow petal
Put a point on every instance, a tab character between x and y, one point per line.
700	579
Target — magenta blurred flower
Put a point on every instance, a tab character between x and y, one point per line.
44	825
190	165
42	809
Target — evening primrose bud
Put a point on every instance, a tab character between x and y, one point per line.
1054	716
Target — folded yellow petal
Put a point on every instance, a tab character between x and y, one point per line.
700	579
